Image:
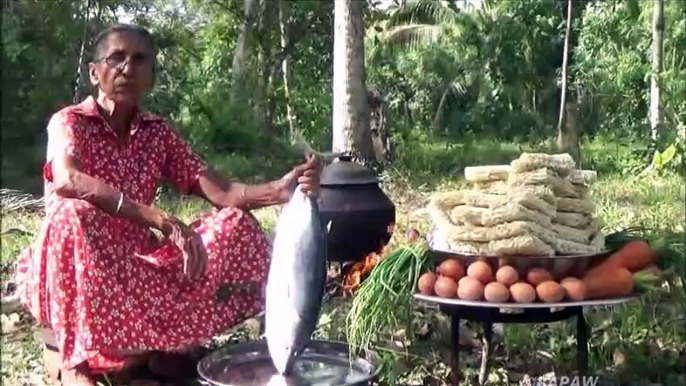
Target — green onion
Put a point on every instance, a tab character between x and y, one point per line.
384	300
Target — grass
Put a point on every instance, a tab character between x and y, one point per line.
641	343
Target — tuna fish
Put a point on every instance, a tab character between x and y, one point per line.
296	281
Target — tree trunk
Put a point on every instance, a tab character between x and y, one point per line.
378	126
284	26
262	118
350	110
657	51
567	136
76	95
242	44
569	142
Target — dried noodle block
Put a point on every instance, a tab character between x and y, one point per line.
574	220
566	247
445	200
582	191
492	187
563	187
562	164
480	234
545	234
575	205
525	197
486	173
464	214
521	245
474	198
439	216
542	176
529	200
540	191
468	248
513	212
581	236
487	234
583	177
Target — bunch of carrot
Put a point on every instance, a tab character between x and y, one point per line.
632	267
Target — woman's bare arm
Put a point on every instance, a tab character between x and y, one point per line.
71	182
223	193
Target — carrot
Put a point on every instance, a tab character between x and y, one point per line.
609	283
634	256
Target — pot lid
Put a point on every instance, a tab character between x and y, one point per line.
347	172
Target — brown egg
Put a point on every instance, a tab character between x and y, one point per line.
470	289
507	275
445	287
522	292
536	276
451	268
550	292
496	292
576	290
481	271
426	283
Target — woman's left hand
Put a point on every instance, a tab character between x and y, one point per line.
305	175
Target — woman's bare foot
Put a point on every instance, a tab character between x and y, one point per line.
77	376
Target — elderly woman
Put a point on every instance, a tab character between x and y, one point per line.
96	276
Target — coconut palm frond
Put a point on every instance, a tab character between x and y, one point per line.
374	49
453	90
413	36
430	12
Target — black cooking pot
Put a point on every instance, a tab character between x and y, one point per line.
362	216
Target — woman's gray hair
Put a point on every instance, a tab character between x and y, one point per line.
100	42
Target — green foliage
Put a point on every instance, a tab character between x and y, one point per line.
449	73
487	72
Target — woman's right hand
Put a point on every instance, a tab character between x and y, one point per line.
186	239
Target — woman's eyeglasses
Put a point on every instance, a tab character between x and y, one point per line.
119	59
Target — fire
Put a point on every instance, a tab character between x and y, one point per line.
359	271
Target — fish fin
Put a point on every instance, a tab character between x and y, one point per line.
328	227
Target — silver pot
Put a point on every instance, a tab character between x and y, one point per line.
323	363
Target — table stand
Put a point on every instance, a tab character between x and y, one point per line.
487	316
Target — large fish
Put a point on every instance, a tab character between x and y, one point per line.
295	285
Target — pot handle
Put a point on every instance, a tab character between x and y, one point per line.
303	146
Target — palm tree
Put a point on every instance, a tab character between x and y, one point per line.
350	110
418	24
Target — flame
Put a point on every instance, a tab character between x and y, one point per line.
353	278
360	270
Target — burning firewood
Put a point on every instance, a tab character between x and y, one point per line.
354	277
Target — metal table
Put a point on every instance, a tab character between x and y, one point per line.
489	313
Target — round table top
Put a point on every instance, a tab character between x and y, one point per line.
524	306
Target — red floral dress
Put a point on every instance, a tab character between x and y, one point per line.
105	284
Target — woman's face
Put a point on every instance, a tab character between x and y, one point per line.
123	70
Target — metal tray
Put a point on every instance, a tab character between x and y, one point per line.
559	266
323	363
524	306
